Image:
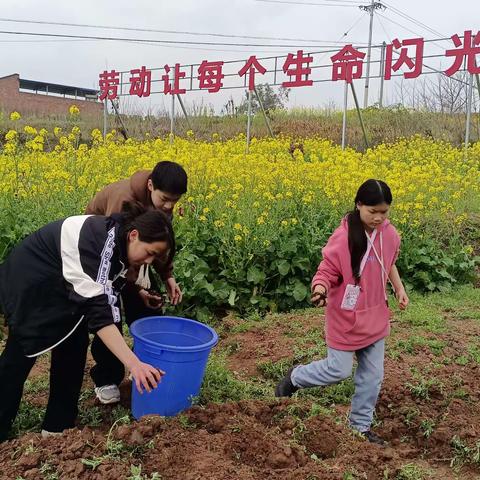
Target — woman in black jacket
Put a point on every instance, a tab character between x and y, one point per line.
58	284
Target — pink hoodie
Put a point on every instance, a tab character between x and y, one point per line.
370	320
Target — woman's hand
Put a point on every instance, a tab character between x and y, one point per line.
173	291
146	376
402	298
143	374
151	300
319	296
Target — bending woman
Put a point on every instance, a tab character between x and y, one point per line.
58	284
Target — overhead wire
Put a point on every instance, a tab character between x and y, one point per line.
152	30
293	2
413	20
166	42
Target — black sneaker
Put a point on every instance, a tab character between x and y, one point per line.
286	388
374	438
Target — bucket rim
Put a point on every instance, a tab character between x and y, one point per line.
194	348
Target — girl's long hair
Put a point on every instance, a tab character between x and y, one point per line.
152	226
371	193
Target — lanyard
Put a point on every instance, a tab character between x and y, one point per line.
367	253
370	247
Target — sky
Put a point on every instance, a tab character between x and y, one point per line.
78	62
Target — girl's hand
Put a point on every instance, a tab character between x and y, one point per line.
402	298
319	296
146	376
151	300
174	291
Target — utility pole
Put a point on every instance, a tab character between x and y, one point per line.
371	9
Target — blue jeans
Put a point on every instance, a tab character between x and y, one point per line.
337	367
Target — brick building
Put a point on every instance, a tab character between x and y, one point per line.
31	97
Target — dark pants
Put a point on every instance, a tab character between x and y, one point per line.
108	370
66	377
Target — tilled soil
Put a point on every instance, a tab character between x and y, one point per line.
428	412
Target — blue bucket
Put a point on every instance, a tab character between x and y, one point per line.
178	346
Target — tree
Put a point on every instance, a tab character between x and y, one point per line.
271	99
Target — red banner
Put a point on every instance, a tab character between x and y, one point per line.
346	65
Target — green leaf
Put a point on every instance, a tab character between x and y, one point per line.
255	275
283	267
300	291
231	297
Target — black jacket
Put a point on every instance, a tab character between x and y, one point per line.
67	272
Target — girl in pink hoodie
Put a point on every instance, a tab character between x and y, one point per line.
358	260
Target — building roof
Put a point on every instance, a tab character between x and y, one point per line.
57	88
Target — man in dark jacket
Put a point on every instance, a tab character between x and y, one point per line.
159	189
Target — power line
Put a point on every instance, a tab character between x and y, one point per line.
151	30
207	49
414	20
292	2
411	31
280	52
47	41
359	19
424	64
387	35
355	2
398	24
165	42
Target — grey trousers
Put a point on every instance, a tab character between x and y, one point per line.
337	367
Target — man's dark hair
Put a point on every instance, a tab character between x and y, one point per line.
170	177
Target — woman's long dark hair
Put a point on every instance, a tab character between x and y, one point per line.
152	226
371	193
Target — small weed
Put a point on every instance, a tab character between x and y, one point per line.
248	324
410	414
460	393
92	463
232	348
37	385
121	415
421	314
427	426
463	454
185	422
220	385
274	370
412	472
49	472
415	342
462	360
29	418
301	355
474	351
354	475
91	416
86	394
340	393
116	447
423	387
136	474
320	410
299	429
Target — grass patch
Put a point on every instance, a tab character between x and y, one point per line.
37	385
413	472
416	342
29	419
220	385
